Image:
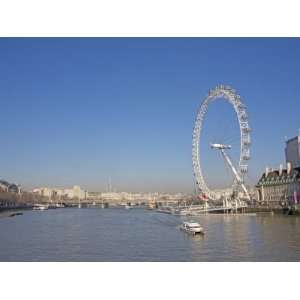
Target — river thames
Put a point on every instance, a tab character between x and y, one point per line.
139	235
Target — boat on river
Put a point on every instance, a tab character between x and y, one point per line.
16	214
40	207
192	228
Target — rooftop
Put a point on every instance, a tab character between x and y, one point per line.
274	177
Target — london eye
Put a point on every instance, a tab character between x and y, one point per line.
240	168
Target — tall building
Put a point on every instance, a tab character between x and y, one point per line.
292	151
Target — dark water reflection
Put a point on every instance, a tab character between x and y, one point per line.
139	235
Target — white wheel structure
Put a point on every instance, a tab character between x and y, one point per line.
229	94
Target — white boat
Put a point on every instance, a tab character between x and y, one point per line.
40	207
192	228
181	212
127	206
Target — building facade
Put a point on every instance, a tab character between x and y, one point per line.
279	188
9	187
56	193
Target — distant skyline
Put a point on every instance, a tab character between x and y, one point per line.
81	110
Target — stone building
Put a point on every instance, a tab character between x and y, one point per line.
9	187
279	188
57	194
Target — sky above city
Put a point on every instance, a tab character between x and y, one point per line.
83	110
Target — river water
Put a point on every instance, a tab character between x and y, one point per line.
139	235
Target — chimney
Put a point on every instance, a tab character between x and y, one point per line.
280	169
267	171
288	168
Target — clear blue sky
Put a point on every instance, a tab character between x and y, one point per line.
76	111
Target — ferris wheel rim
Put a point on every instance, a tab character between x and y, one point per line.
230	95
